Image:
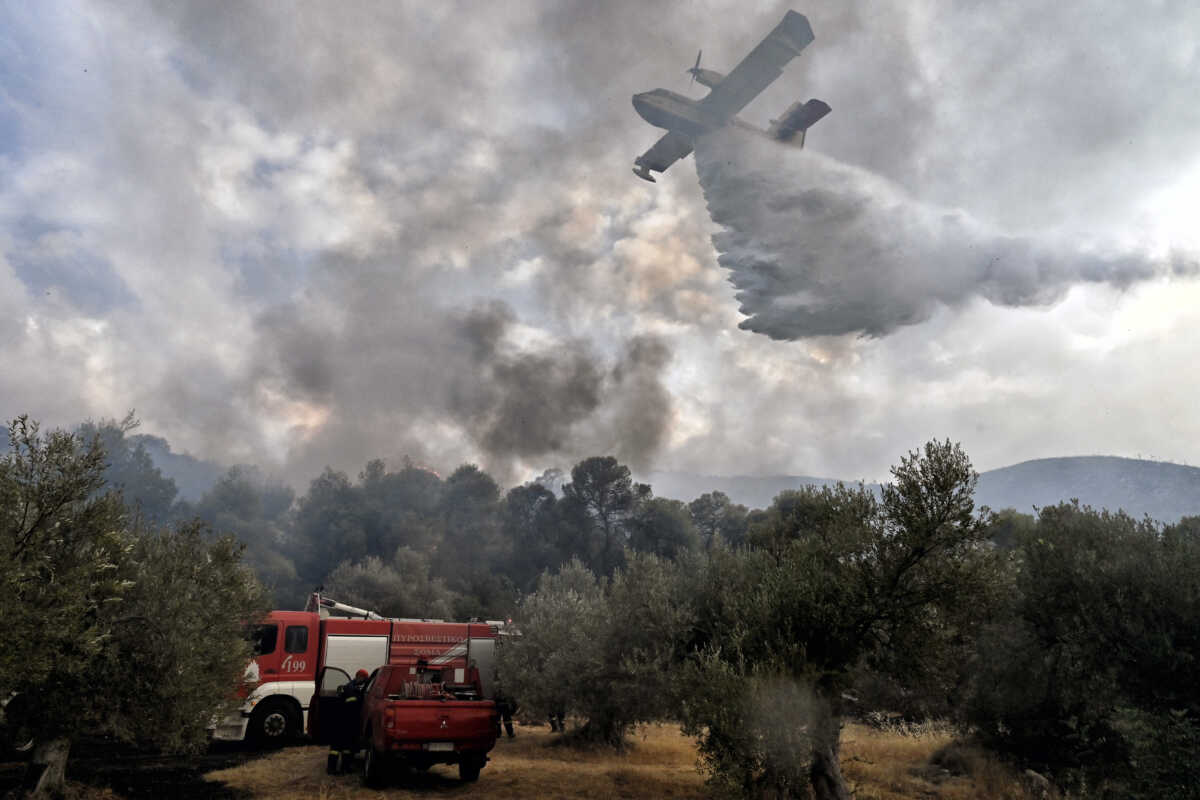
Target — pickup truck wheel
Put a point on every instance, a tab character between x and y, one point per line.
273	723
374	769
468	768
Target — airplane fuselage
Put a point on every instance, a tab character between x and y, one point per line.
663	108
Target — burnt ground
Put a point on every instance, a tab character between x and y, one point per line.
141	775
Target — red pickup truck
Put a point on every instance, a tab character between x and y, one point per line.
412	717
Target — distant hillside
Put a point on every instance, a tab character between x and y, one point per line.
1163	491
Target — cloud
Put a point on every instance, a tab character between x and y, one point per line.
279	223
820	248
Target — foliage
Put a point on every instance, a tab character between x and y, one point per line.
1007	527
1164	752
131	471
560	639
662	527
756	739
482	549
604	490
329	526
1069	639
64	550
836	584
402	587
1095	672
718	519
254	510
531	521
110	627
177	643
471	539
581	652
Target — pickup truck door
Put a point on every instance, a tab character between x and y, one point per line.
324	702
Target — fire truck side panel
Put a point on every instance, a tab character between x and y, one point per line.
352	653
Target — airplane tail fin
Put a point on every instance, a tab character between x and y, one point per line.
798	119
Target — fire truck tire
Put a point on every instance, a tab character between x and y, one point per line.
469	767
273	723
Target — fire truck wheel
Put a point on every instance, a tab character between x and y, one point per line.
468	768
274	723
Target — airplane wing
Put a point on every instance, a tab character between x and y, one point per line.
757	70
665	152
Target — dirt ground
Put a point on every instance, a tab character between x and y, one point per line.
100	769
660	763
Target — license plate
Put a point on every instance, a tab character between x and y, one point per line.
440	746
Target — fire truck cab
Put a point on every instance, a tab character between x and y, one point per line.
293	647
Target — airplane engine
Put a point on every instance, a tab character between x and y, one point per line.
708	77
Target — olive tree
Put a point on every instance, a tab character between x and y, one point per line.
1094	674
601	649
109	628
836	584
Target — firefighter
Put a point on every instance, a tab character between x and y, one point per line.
344	742
505	707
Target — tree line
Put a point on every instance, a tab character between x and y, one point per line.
1066	640
409	542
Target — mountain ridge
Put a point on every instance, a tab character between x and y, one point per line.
1161	490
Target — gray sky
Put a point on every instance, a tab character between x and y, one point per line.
314	233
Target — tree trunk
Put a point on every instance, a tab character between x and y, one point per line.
826	772
47	773
604	730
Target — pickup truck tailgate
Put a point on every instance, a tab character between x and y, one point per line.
465	722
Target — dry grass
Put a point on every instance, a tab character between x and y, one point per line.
661	763
880	765
926	762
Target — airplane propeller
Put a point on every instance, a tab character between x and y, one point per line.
695	68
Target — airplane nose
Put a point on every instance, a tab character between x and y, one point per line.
640	105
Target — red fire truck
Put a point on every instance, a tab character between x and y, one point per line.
332	641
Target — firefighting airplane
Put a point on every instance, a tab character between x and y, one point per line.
685	119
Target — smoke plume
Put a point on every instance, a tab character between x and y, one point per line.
817	247
521	403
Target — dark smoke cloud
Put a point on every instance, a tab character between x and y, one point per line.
395	373
523	404
559	400
817	247
644	408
